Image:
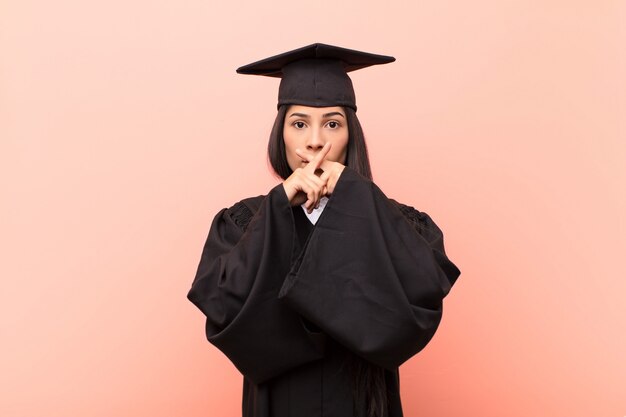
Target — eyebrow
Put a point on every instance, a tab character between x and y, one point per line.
306	116
335	113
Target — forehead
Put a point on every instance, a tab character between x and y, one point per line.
314	111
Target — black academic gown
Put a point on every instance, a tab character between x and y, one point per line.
287	302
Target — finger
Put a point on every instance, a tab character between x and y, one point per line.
318	180
313	192
311	204
327	165
305	155
325	176
332	183
322	188
319	192
316	162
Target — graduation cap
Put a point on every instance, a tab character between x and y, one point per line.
315	75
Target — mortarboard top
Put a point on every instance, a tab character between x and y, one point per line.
315	75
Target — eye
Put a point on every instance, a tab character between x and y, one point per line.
299	124
333	124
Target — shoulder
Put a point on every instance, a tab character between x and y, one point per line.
242	211
422	222
410	212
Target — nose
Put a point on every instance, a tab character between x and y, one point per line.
315	141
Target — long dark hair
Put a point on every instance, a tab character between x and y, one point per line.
369	389
356	157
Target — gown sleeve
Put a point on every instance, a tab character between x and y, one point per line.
372	275
236	286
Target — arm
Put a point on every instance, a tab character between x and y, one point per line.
236	286
370	277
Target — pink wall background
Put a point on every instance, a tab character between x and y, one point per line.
124	129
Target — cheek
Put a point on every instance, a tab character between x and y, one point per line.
287	138
340	148
291	144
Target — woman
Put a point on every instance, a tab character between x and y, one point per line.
319	290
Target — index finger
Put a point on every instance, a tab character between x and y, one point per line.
319	158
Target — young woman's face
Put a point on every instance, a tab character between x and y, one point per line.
309	128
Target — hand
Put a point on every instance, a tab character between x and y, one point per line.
331	168
304	185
